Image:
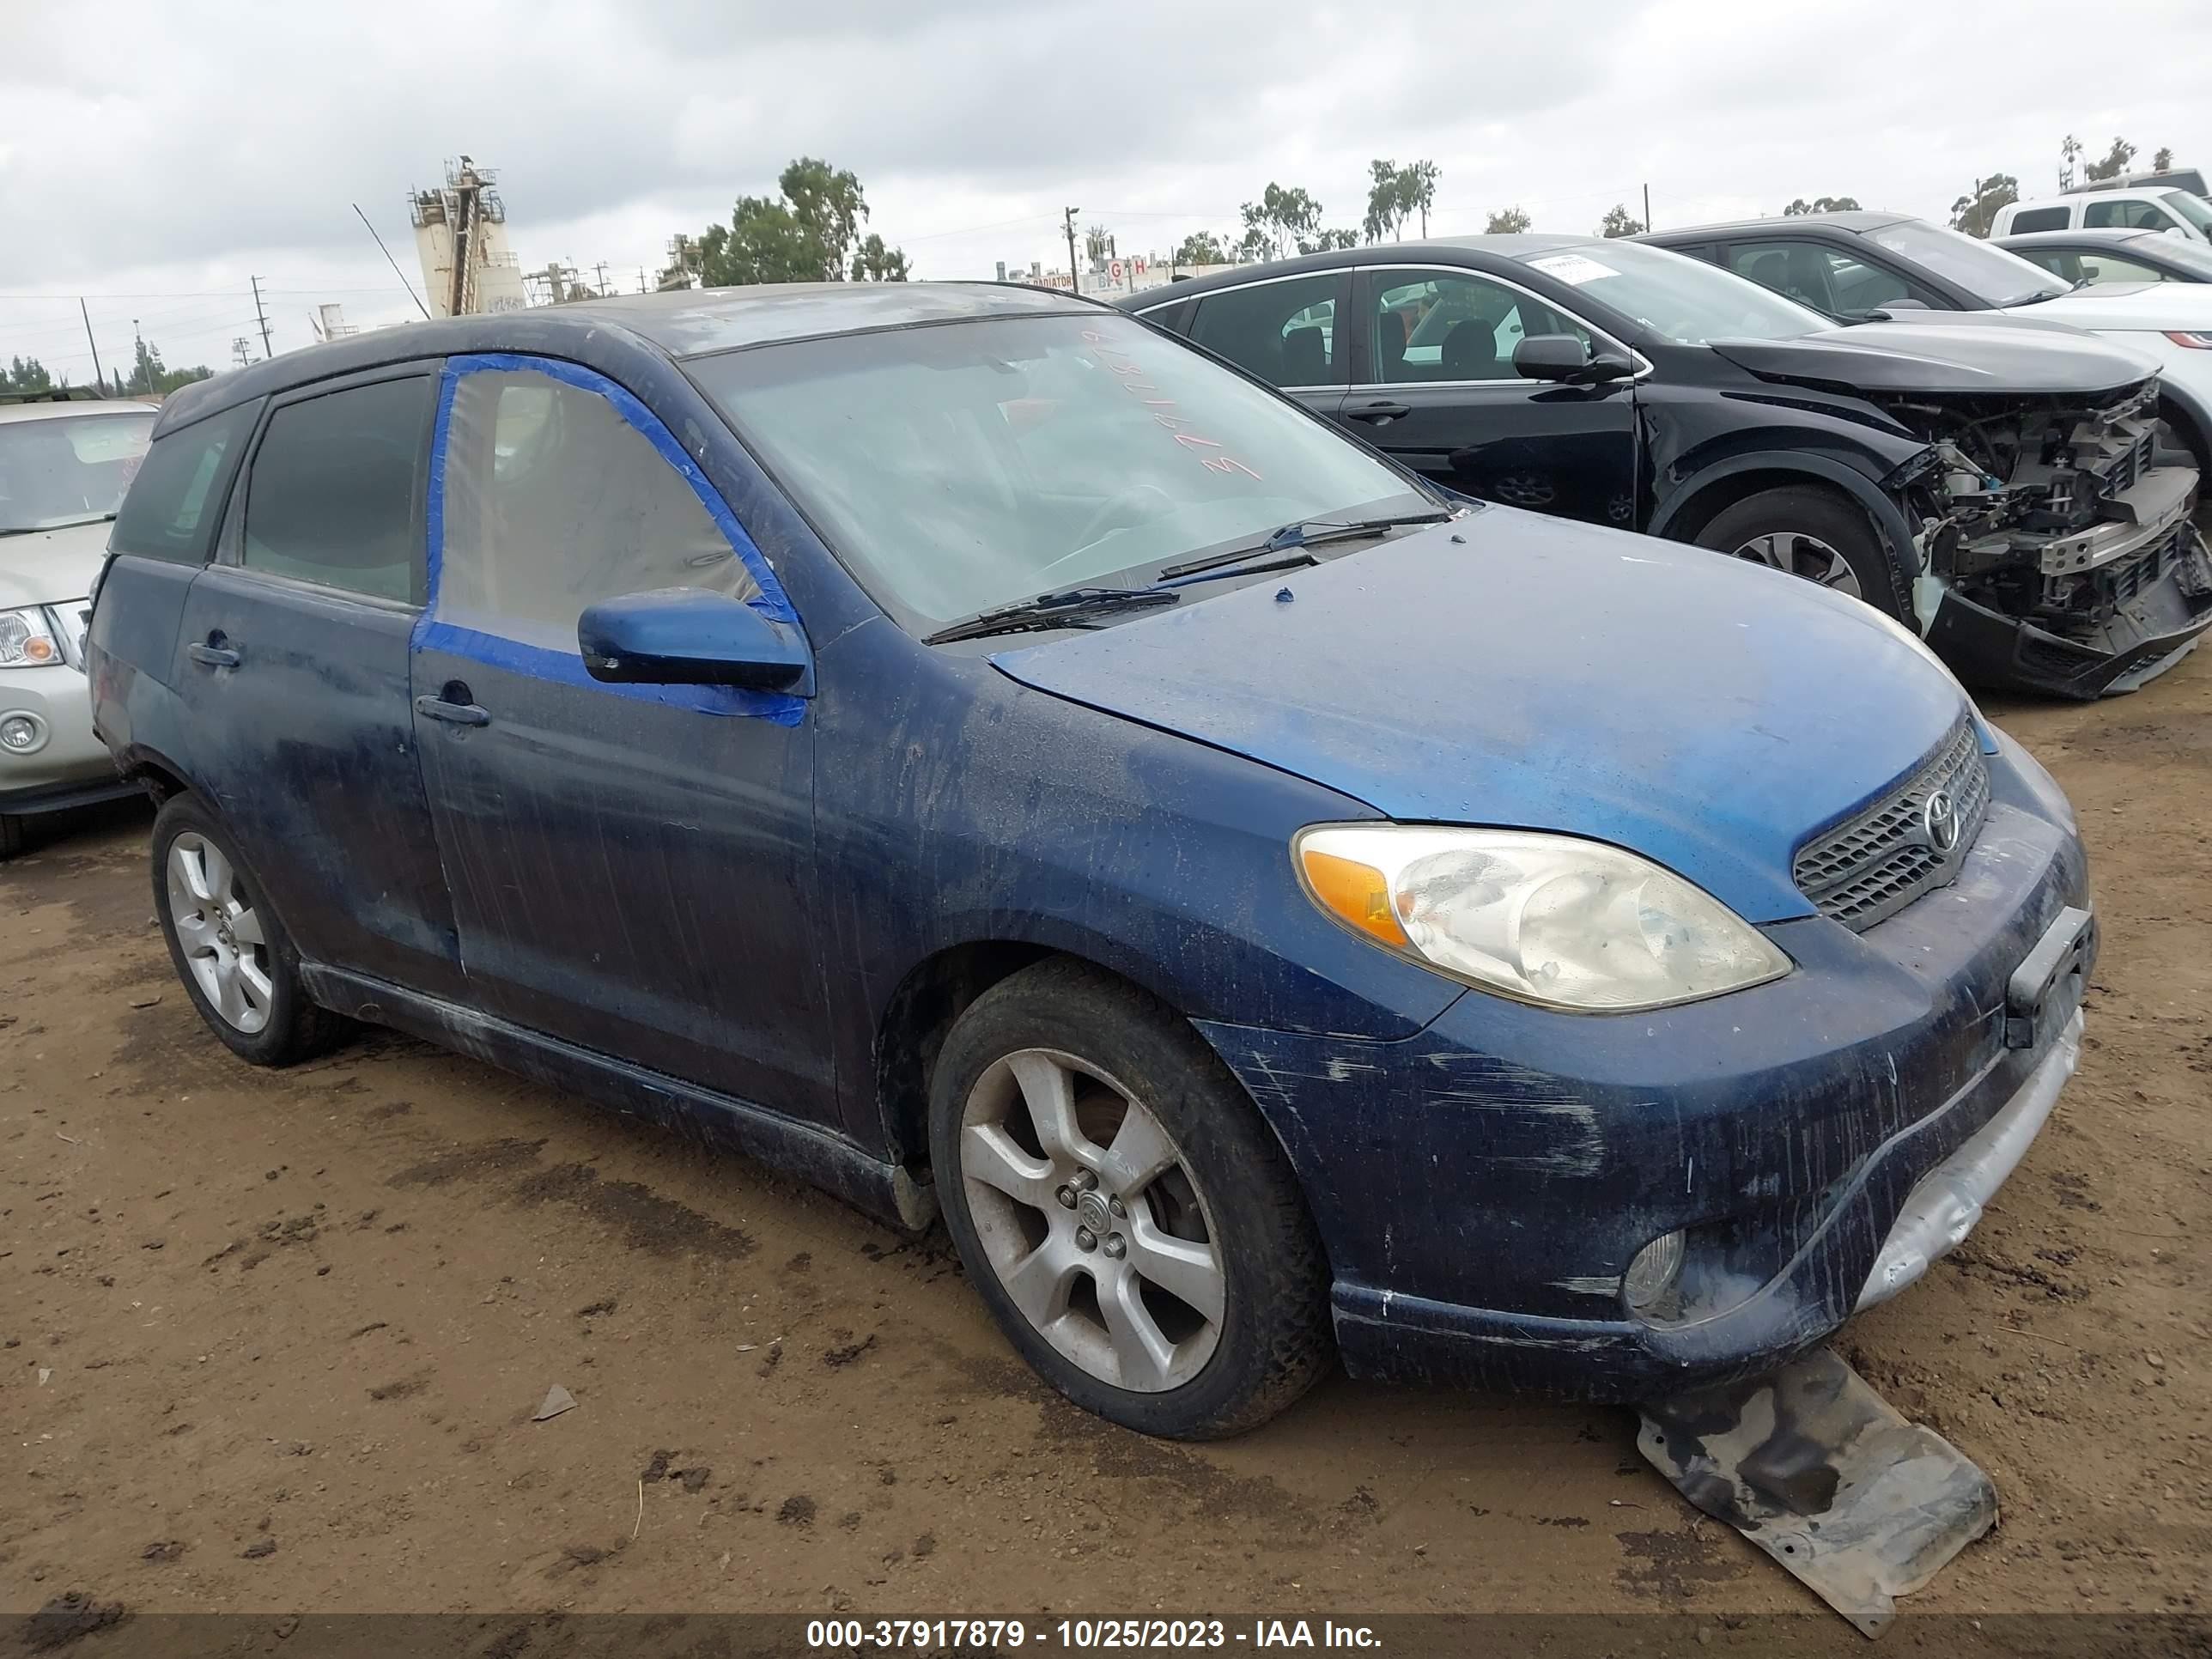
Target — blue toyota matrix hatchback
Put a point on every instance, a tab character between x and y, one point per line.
975	750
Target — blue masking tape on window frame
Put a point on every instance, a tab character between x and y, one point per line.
539	662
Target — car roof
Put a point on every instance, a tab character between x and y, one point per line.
1853	220
44	410
681	323
1431	249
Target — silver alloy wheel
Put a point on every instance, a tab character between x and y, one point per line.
1795	553
220	935
1094	1225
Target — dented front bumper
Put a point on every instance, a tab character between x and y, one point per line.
2148	633
1482	1187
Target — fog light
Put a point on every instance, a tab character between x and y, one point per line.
1651	1276
19	735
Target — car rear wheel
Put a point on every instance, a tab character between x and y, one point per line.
231	952
1128	1219
1811	533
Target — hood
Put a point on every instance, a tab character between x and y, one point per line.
39	567
1705	713
1947	359
2126	306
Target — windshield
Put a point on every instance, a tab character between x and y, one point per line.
2180	251
67	469
962	466
2193	209
1994	278
1675	296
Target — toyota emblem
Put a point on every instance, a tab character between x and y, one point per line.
1940	817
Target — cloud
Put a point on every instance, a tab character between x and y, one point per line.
177	150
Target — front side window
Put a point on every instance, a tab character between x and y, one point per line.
1674	296
1453	326
1284	332
974	464
553	503
1825	278
331	495
59	470
2125	215
2111	268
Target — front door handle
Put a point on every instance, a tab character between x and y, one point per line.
453	714
213	656
1379	414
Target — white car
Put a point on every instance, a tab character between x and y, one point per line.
2177	212
64	469
1852	266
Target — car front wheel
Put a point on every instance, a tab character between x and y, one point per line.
1123	1212
1811	533
231	952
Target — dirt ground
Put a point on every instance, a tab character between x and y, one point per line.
273	1340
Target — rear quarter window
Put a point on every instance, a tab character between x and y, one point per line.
171	510
2028	219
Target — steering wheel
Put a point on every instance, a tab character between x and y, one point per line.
1124	509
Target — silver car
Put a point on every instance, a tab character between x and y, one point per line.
64	467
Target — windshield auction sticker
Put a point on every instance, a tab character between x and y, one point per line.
1573	269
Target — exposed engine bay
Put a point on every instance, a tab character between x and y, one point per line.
2055	513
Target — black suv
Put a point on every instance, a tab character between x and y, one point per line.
1916	465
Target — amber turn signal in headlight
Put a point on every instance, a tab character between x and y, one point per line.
1548	919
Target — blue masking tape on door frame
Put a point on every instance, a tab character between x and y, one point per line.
540	662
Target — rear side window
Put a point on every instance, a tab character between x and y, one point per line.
553	502
2028	219
331	498
1284	332
177	496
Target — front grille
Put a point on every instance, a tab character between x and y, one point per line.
1874	865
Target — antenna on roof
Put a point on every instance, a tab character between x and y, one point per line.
393	263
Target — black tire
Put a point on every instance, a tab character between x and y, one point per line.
295	1028
1822	515
1273	1339
11	835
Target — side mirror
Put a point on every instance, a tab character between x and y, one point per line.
1888	308
1564	358
689	636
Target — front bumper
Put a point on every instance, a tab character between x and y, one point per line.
2145	635
70	767
1481	1188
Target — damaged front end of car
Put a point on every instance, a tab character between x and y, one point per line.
2057	554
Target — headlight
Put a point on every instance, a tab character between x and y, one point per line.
26	640
1552	919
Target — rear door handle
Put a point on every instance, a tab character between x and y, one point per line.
453	714
1378	413
213	656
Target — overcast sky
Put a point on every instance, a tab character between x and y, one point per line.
154	156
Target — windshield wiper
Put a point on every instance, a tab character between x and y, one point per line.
1300	533
1072	609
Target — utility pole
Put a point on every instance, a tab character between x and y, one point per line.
144	367
239	350
602	269
1647	207
263	315
97	373
1074	281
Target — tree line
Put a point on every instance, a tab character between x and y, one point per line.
1977	211
149	376
808	232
